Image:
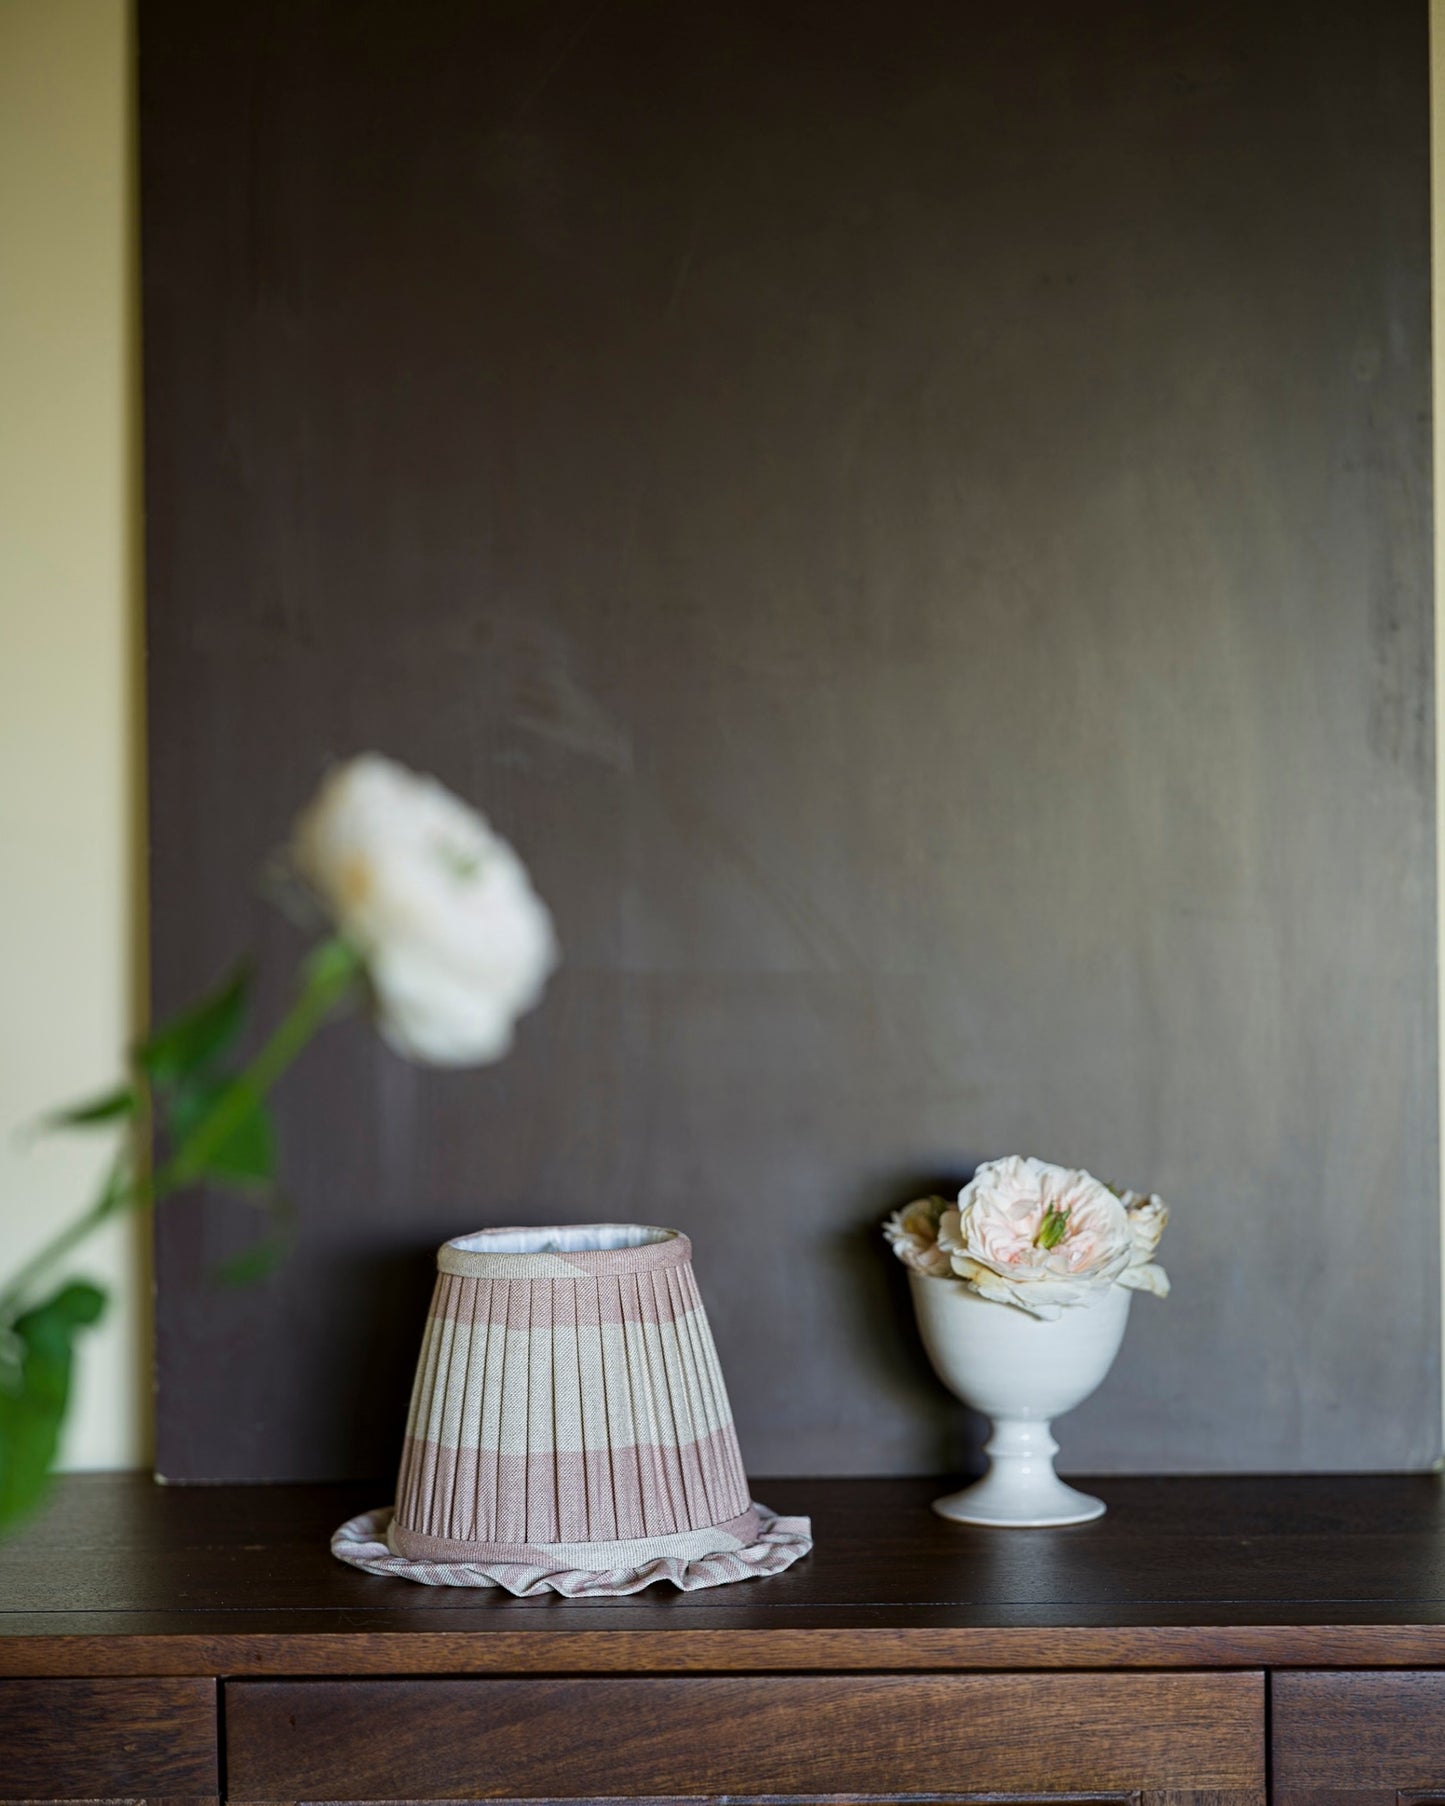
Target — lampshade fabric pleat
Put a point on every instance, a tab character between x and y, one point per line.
569	1406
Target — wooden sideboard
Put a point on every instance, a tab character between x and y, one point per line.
1208	1643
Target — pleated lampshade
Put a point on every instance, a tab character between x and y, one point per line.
569	1407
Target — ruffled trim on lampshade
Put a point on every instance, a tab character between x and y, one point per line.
362	1542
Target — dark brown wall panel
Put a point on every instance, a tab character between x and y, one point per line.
915	518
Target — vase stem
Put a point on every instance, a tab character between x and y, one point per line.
1020	1487
1021	1451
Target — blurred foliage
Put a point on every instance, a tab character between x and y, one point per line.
190	1114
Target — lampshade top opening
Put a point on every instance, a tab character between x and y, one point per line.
575	1238
564	1251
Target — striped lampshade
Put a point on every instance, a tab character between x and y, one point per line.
569	1407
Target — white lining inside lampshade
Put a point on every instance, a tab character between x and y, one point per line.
580	1238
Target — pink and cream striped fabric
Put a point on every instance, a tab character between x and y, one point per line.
568	1409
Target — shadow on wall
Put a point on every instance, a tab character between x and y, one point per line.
880	1291
393	1290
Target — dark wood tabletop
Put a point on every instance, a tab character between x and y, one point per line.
123	1576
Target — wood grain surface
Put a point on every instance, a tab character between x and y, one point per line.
1133	1798
915	519
103	1739
123	1577
1359	1738
1136	1797
877	1734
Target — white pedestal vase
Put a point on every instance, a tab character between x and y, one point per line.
1021	1372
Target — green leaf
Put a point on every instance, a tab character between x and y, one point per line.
35	1391
245	1152
100	1110
261	1258
248	1151
190	1042
252	1264
47	1329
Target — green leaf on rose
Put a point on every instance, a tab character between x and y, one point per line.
200	1036
35	1372
1053	1229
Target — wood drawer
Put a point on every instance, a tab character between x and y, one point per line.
779	1735
1375	1739
108	1740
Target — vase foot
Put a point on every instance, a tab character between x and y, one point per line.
1002	1503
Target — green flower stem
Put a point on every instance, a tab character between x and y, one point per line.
331	972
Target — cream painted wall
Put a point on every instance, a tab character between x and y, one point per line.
69	593
70	939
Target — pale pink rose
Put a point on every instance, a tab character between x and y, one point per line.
912	1234
1037	1236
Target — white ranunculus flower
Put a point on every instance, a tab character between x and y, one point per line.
1147	1217
1037	1236
456	942
912	1234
